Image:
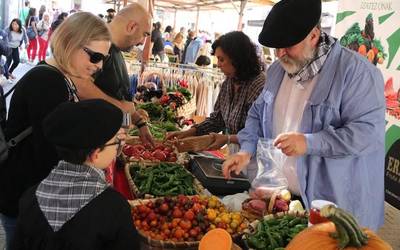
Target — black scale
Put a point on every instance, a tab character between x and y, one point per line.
208	170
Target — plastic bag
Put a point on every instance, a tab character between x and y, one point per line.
23	56
234	202
270	176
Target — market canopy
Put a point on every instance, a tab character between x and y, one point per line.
195	5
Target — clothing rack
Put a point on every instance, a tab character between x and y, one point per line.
203	83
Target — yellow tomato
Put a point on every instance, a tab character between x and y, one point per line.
234	224
237	217
217	220
212	203
226	218
211	214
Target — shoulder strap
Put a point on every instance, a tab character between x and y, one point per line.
11	90
17	139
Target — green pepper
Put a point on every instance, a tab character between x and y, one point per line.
256	243
294	222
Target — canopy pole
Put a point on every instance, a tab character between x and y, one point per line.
197	20
149	5
176	10
241	14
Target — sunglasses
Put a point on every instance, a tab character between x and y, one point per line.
95	57
118	142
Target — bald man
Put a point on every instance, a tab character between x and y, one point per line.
129	28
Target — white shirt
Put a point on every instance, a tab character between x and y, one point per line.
16	39
288	113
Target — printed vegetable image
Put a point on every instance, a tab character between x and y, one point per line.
364	42
342	232
392	99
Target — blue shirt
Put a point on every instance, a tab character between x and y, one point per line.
193	50
344	125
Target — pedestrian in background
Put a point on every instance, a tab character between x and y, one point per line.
31	29
23	14
16	35
43	31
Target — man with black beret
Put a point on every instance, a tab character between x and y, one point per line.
74	207
324	108
110	15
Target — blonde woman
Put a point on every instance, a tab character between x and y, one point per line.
79	47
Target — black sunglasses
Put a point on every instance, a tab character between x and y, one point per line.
118	142
95	57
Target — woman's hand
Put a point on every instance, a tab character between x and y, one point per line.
145	136
181	134
219	141
235	163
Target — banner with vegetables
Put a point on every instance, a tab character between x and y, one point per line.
371	28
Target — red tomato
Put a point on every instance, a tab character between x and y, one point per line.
172	159
177	213
164	207
179	233
189	215
193	232
160	147
168	149
159	155
185	224
197	207
139	147
146	155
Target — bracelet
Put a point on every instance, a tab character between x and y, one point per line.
141	124
229	139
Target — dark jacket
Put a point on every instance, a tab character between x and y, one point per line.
113	79
104	223
38	92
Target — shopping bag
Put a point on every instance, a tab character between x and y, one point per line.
270	176
23	56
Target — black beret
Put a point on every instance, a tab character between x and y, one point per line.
86	124
110	10
289	22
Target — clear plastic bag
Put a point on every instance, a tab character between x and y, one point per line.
270	176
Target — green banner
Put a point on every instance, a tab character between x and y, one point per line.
371	28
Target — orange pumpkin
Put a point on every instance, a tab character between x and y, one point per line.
216	239
326	236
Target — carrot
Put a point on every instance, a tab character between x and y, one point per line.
371	55
362	49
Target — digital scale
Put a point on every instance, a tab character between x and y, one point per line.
208	170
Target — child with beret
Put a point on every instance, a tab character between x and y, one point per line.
74	207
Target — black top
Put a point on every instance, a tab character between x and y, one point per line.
113	80
157	39
38	92
104	223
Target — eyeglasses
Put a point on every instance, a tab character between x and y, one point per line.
95	57
118	142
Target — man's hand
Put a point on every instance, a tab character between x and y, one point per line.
181	134
291	144
145	136
219	141
236	162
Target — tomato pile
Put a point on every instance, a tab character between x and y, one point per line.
145	152
184	218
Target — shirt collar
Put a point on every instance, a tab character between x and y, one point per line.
310	70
